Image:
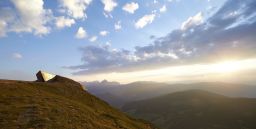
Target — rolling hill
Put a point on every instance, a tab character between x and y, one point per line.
119	94
196	109
58	104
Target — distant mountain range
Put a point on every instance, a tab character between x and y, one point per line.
119	94
60	103
63	103
196	109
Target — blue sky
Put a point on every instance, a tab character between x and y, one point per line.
87	37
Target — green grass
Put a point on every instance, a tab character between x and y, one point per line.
59	104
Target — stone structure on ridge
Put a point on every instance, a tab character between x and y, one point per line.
44	76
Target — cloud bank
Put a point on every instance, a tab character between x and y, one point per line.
227	34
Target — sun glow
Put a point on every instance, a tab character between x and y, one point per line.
192	72
227	67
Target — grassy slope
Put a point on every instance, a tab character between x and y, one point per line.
59	104
196	109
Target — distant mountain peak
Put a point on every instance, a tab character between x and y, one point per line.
104	81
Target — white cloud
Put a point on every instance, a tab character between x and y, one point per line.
109	5
2	28
31	17
75	8
160	55
108	43
93	38
192	21
163	9
146	19
17	56
62	22
6	16
103	33
131	7
118	25
81	33
107	15
173	0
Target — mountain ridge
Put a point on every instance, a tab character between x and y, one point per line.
58	103
195	109
145	90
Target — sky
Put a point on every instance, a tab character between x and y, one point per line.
129	40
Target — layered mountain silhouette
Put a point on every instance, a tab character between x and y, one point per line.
119	94
59	103
196	109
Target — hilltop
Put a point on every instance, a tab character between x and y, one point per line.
59	103
196	109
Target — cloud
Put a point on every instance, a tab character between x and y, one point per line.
35	21
75	8
220	37
7	18
173	0
163	9
131	7
17	56
81	33
145	20
62	22
103	33
18	19
93	38
34	18
192	21
107	15
109	5
102	56
118	25
3	25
